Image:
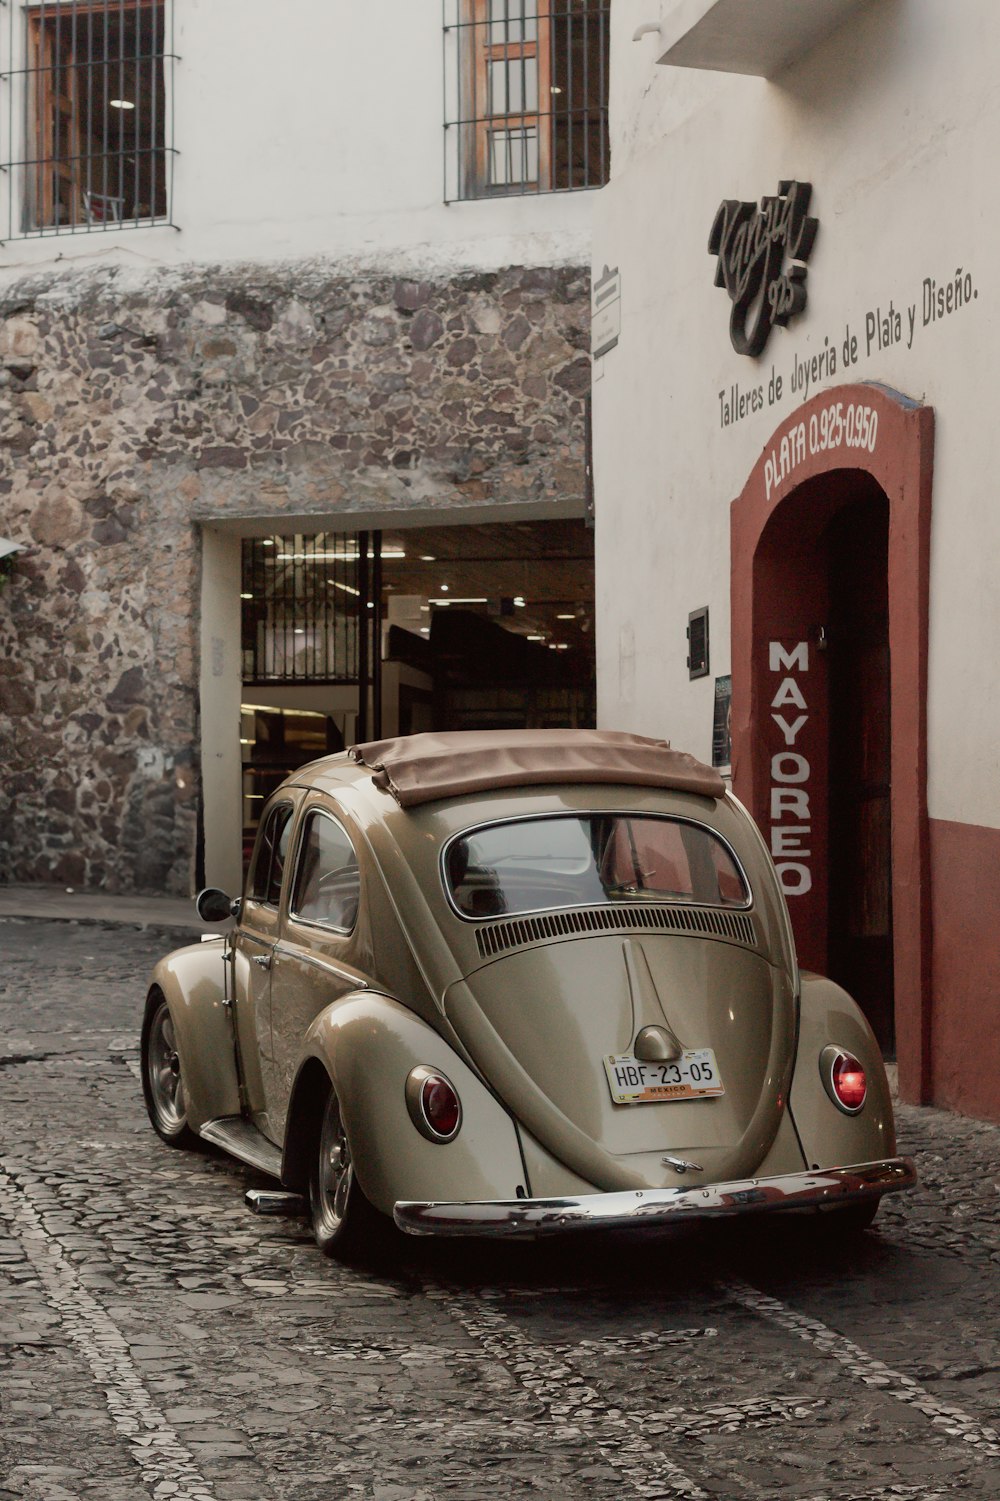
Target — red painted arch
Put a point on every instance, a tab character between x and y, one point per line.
827	436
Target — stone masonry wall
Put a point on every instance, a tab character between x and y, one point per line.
134	407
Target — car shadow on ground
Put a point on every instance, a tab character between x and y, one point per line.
782	1253
688	1261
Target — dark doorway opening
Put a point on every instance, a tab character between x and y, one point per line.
860	815
822	574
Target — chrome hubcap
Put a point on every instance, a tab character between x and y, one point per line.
335	1170
165	1083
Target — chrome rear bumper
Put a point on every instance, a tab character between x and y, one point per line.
650	1208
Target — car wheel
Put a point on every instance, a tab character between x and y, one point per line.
344	1222
162	1078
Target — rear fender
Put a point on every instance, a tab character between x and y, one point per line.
829	1137
366	1044
192	981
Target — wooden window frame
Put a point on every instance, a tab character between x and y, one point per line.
49	163
480	53
562	138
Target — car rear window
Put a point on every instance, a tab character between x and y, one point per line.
598	858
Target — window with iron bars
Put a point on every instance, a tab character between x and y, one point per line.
526	96
87	127
301	599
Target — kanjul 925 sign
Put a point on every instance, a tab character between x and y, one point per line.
752	242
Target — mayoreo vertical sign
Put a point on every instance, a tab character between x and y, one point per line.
605	312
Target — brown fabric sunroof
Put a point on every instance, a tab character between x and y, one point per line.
421	768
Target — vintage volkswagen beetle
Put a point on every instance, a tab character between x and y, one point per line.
515	984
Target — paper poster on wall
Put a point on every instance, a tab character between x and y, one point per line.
722	754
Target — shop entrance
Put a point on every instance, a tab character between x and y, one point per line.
347	637
830	559
823	565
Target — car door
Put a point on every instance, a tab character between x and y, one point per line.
253	957
323	952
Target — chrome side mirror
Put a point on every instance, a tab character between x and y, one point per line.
215	906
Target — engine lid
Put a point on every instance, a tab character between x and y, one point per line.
541	1024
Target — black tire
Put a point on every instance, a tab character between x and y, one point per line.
162	1076
344	1222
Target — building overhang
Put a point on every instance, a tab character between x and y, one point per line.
755	37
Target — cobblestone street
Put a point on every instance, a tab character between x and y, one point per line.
158	1341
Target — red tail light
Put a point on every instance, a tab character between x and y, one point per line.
433	1103
849	1083
440	1104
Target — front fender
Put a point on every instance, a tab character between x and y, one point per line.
192	980
829	1137
367	1044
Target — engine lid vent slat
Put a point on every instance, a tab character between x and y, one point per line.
517	932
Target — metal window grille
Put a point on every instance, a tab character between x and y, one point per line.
526	96
697	635
87	118
302	597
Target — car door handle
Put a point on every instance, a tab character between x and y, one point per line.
264	960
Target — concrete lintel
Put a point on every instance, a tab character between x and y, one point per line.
306	523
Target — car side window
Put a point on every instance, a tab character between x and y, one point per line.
269	865
327	878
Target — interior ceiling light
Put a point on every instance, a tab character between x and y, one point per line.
565	617
334	557
427	557
347	588
456	601
246	596
536	638
274	709
444	588
267	542
519	601
121	104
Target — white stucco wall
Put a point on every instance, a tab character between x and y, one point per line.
896	123
316	130
220	688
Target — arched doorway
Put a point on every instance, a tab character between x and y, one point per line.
830	549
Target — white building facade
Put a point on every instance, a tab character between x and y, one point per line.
793	444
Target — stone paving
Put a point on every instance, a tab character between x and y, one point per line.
157	1341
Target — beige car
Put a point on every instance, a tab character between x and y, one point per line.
512	985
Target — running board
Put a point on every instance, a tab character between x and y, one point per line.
240	1138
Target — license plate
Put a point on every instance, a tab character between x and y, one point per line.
693	1076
